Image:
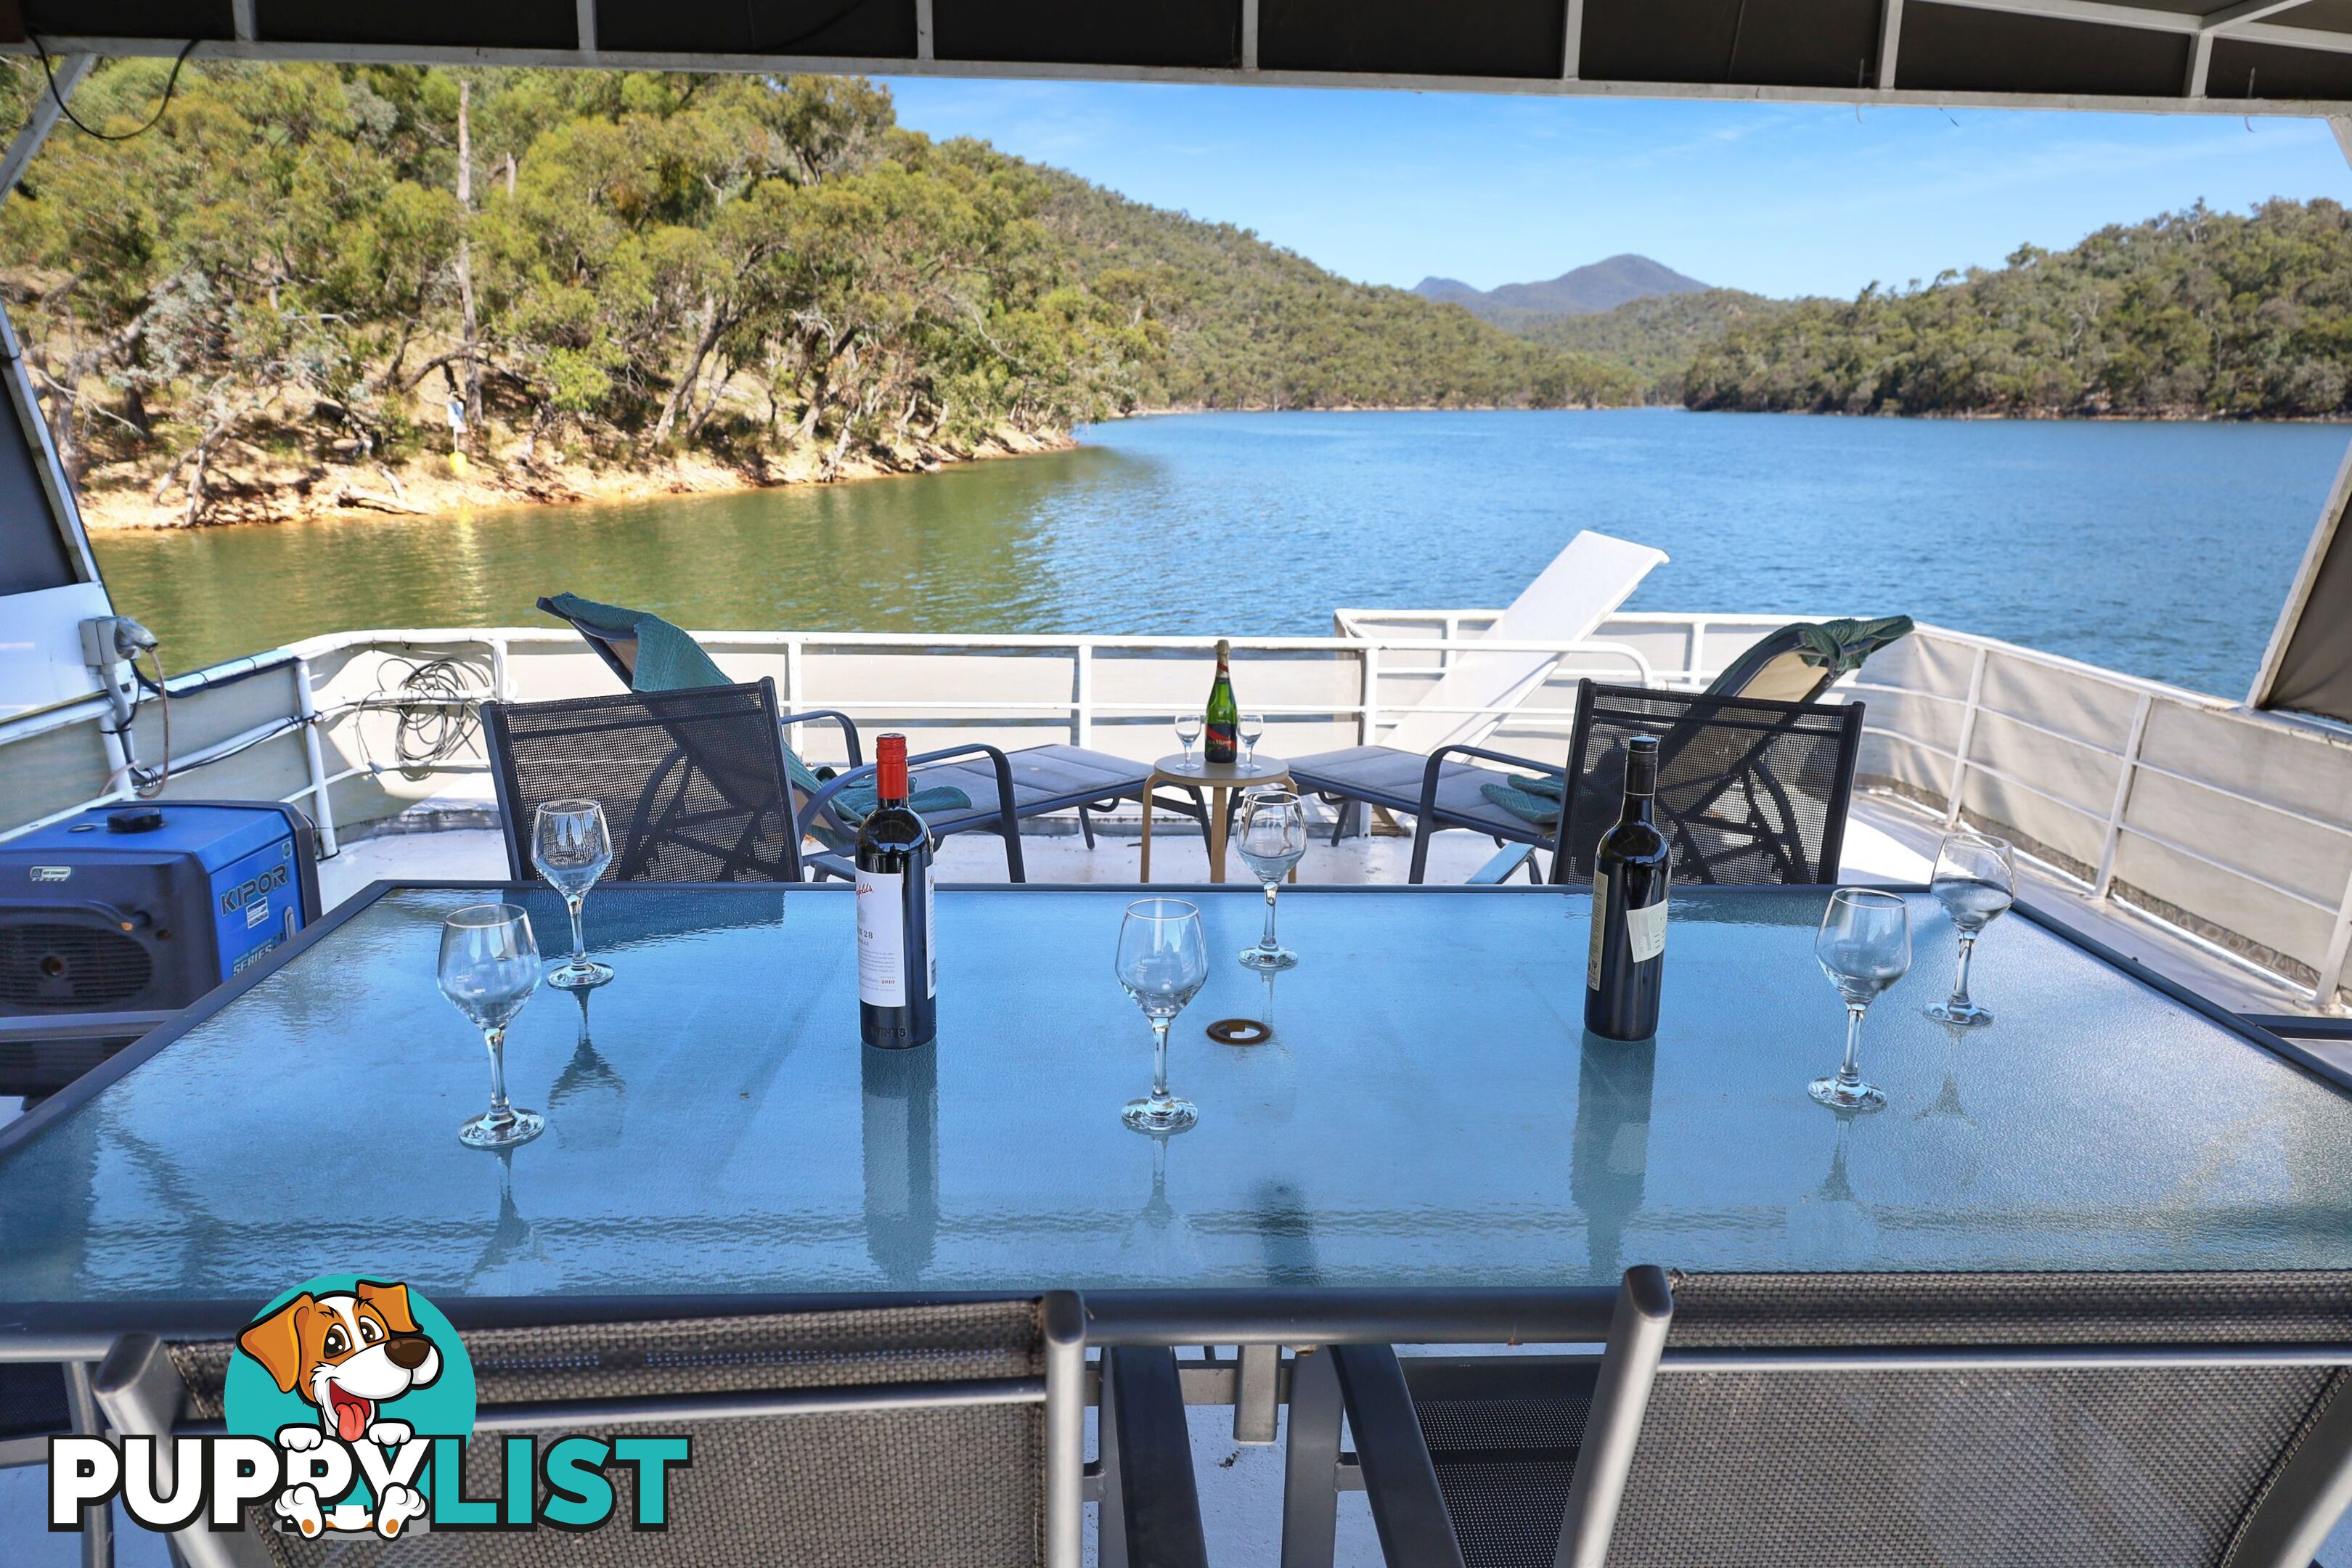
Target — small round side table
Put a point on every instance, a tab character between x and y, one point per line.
1219	778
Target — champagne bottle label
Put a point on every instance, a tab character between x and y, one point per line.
881	939
1600	931
1646	932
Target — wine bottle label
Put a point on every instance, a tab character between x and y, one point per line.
1600	920
881	939
931	934
1646	932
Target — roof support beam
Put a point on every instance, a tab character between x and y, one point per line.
47	108
2229	19
240	20
1890	42
1571	48
926	47
586	25
1249	34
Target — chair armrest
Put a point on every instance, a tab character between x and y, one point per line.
1503	867
848	728
1399	1479
1423	822
822	799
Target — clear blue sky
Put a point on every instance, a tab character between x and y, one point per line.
1388	187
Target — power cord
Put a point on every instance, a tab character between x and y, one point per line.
49	69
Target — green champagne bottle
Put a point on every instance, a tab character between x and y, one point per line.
1222	721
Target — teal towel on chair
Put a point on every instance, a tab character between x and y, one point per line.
669	660
1541	810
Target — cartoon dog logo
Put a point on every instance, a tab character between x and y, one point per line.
348	1354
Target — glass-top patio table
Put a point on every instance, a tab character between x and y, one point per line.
1429	1114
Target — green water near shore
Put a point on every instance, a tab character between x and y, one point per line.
2159	549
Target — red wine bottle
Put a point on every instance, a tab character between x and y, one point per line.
1220	722
897	973
1626	970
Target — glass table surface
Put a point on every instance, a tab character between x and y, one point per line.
1429	1113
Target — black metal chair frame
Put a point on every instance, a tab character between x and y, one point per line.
1703	712
819	818
2290	1518
1347	794
656	818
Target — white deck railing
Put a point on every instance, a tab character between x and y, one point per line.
2232	825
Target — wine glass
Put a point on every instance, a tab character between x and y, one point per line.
1187	729
572	846
1271	837
1162	961
490	963
1252	726
1976	881
1864	946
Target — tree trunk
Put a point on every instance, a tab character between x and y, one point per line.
715	323
473	380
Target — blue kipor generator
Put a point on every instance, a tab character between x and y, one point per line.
134	908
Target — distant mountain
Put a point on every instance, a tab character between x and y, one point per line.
1251	326
1602	286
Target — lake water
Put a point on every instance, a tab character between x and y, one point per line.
2163	550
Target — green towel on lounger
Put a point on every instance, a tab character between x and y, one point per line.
1539	808
669	660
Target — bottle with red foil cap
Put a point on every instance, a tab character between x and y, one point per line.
897	977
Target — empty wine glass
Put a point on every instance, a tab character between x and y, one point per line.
1864	946
1187	729
1162	961
490	964
572	846
1976	881
1271	837
1252	726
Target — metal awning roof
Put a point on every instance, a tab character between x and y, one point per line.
2250	56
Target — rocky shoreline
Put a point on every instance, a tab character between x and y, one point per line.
441	485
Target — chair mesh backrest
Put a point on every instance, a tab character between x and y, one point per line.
1749	791
2099	1466
691	782
950	1485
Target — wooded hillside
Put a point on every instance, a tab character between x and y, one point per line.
275	294
2192	314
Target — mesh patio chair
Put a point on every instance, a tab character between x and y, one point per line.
958	789
1446	788
691	782
1863	1421
1749	791
935	1435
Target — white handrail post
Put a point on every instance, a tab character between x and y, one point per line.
1445	648
1370	710
1695	666
2339	943
792	695
1967	737
1084	721
322	813
501	678
2127	768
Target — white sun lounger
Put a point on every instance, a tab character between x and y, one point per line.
1567	603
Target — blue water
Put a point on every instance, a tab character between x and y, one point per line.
2162	550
